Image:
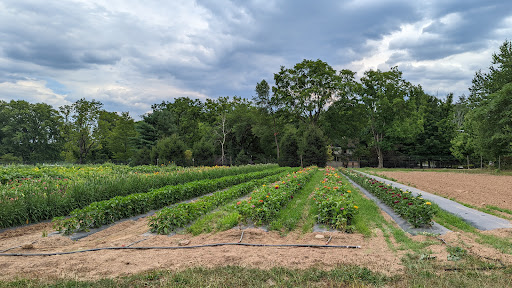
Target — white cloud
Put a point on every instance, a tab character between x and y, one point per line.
33	91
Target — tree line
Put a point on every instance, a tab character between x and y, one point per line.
310	115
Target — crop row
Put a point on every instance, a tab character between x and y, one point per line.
264	203
334	202
13	173
179	215
415	210
109	211
34	200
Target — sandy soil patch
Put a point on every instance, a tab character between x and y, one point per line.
374	254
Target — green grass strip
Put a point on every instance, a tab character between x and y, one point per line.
288	217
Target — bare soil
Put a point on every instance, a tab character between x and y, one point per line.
374	254
475	189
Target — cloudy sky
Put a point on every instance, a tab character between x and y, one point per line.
131	54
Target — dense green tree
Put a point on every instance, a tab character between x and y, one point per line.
170	150
306	89
30	131
491	122
488	118
439	129
268	105
344	122
313	147
82	128
390	109
121	141
203	152
500	73
289	148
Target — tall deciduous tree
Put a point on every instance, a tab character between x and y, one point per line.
306	89
266	102
30	131
82	122
121	141
390	109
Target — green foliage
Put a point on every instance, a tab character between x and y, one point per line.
265	202
391	110
81	128
491	122
25	199
500	74
203	152
416	210
29	132
306	89
109	211
313	147
289	148
334	202
179	215
170	150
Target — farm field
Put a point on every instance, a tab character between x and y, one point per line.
288	203
480	190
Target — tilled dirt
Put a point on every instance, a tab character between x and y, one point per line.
374	253
475	189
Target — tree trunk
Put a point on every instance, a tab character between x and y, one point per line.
380	157
467	158
275	138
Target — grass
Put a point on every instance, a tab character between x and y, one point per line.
297	211
230	276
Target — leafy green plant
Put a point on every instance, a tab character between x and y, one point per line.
109	211
170	218
334	202
32	194
265	202
415	210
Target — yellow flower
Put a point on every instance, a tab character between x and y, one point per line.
356	207
428	203
348	191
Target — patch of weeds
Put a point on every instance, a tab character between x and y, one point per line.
293	214
496	208
504	245
203	224
228	221
456	253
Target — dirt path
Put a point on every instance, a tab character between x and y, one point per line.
475	189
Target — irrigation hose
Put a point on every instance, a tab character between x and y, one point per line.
327	243
241	236
136	242
184	247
